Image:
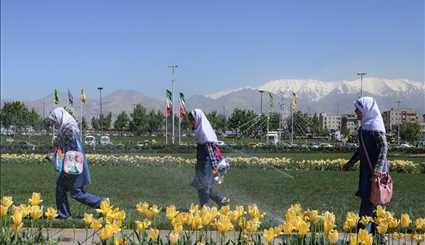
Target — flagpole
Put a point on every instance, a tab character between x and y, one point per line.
166	123
180	122
81	116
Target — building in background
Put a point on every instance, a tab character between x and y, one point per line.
395	117
349	122
330	121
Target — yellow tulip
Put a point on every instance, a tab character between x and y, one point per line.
313	216
225	210
393	223
171	212
196	222
88	218
153	212
396	236
366	220
252	225
106	233
254	212
105	207
303	228
36	212
17	217
333	236
6	201
206	218
380	211
153	234
173	237
142	226
224	224
120	242
364	237
405	220
353	240
382	228
351	221
3	211
96	224
288	228
51	213
269	235
420	223
35	199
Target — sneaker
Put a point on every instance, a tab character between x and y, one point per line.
225	201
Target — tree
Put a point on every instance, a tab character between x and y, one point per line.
122	121
218	122
34	119
138	124
154	121
95	123
345	132
107	121
410	131
243	121
15	114
84	125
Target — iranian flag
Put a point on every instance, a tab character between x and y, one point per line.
182	108
168	103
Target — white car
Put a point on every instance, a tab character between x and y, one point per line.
90	140
326	145
221	143
405	146
105	140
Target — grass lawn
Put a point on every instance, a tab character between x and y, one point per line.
272	190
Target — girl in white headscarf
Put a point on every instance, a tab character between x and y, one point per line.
372	145
207	157
68	139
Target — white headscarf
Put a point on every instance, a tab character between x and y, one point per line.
63	119
204	133
371	116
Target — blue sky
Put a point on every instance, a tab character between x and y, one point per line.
218	45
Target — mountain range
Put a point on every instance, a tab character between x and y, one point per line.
312	96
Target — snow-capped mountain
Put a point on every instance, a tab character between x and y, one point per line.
312	96
322	96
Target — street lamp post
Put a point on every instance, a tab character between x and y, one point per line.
173	67
361	74
261	101
100	110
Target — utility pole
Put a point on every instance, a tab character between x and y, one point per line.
100	110
173	67
399	122
361	74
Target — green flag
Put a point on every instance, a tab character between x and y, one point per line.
294	102
83	97
270	101
56	97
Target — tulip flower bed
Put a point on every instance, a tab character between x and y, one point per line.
20	224
136	160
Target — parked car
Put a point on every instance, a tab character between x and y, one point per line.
90	140
105	140
26	145
221	143
405	145
326	145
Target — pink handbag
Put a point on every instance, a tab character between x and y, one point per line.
381	190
